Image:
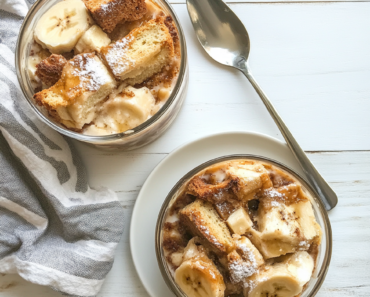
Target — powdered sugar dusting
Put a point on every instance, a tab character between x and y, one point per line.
117	57
272	193
240	270
90	72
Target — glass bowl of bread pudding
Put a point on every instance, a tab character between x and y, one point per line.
112	73
243	225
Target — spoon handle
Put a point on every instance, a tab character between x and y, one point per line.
325	192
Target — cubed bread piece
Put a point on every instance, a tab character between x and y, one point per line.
206	191
249	179
108	13
73	100
140	54
226	208
50	69
289	194
92	40
247	250
202	220
244	260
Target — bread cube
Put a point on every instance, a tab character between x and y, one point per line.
249	179
202	220
244	260
140	54
50	69
108	13
73	100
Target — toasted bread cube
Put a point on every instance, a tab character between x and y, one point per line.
108	13
50	69
244	260
249	178
92	40
140	54
239	221
73	100
247	250
202	220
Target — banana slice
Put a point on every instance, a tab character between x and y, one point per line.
92	40
274	281
62	25
301	265
284	279
200	278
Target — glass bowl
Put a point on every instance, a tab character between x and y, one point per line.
128	140
325	249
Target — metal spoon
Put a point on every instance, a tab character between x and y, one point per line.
225	39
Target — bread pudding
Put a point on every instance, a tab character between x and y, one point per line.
241	228
101	67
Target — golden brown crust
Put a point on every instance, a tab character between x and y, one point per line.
109	13
170	24
202	220
122	60
198	187
50	69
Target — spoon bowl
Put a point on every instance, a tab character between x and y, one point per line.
220	32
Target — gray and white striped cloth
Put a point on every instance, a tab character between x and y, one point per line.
54	229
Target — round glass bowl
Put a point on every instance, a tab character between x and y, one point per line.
128	140
325	249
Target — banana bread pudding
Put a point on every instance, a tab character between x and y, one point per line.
241	228
101	67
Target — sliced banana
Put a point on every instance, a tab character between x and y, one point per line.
62	25
301	265
200	278
284	279
92	40
274	281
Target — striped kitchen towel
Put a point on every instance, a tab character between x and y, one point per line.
54	229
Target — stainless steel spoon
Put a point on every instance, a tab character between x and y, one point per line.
225	39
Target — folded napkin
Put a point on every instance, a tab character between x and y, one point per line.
54	229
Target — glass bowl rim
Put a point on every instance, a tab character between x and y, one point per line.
182	76
323	213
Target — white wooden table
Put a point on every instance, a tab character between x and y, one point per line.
313	60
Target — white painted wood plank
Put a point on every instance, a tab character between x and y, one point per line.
347	172
313	60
